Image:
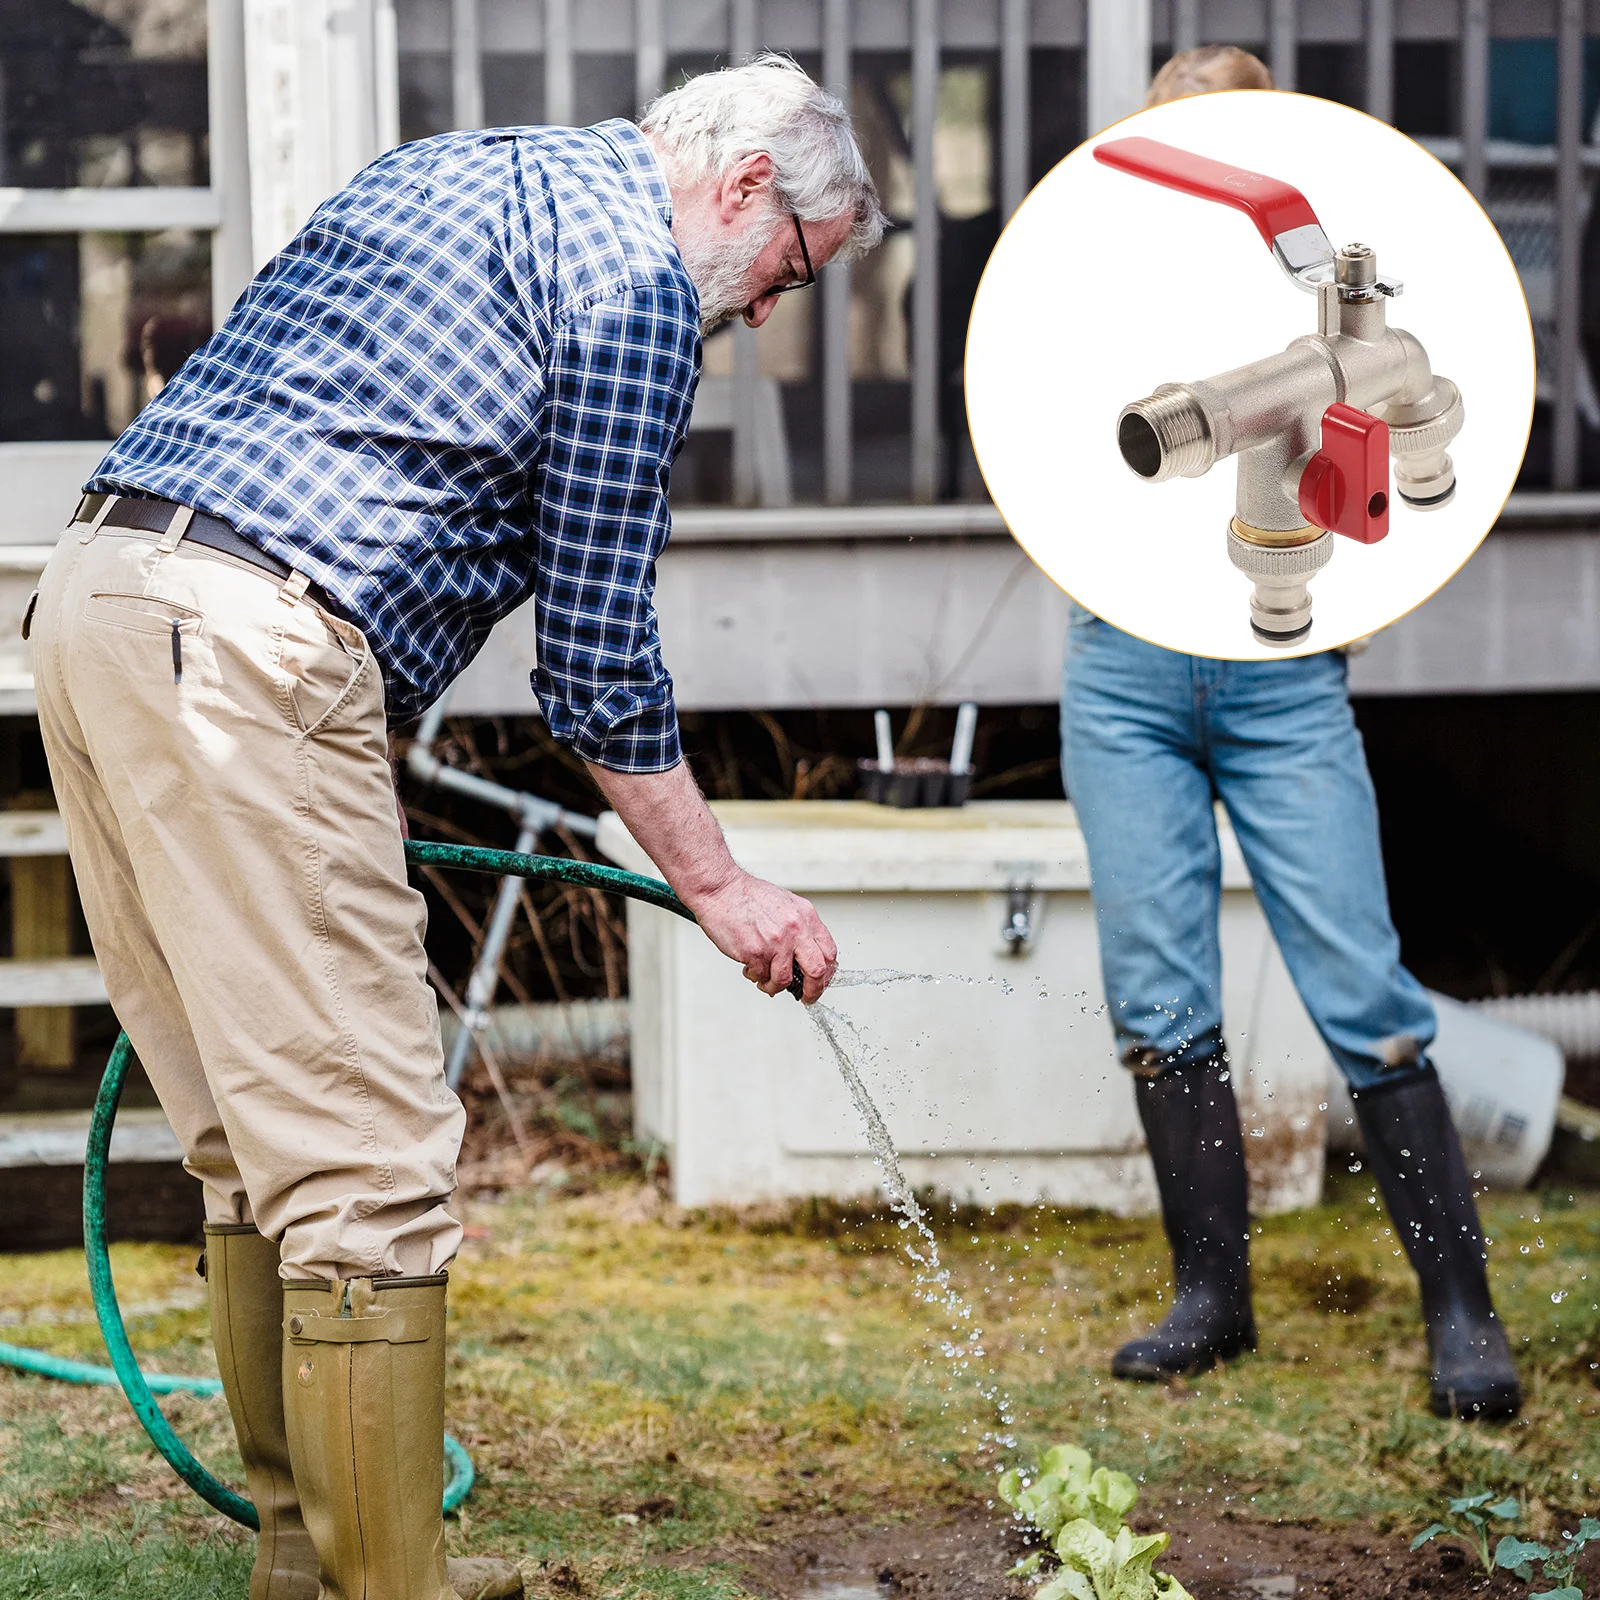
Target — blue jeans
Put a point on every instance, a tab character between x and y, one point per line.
1149	738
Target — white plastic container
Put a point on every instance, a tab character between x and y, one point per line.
991	1092
1503	1084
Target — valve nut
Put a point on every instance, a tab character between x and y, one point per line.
1355	266
1424	475
1291	562
1411	434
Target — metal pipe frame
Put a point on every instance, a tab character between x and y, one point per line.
1015	20
1284	42
560	96
534	816
1475	96
386	77
1186	32
232	260
837	398
1569	240
649	51
925	20
466	64
1380	60
742	36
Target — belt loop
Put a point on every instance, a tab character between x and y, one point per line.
99	517
175	530
294	589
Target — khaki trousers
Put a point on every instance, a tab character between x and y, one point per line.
239	859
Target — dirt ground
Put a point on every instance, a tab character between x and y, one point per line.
965	1556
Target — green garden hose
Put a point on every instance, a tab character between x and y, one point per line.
141	1388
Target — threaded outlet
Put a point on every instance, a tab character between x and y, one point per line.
1166	436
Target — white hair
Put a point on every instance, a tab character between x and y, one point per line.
770	104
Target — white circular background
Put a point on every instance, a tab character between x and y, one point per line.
1104	286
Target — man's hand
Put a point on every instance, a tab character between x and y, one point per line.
770	932
767	930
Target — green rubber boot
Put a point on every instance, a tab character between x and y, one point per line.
246	1294
363	1387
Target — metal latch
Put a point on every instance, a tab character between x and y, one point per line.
1017	929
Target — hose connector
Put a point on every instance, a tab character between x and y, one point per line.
1167	435
1419	431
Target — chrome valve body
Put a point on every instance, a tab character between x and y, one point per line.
1270	414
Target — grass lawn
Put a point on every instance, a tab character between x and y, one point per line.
653	1397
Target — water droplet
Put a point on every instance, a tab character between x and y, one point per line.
1558	1296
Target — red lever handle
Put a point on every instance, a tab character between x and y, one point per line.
1345	486
1273	205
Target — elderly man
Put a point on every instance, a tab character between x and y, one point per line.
462	385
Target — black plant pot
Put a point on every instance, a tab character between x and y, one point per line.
913	784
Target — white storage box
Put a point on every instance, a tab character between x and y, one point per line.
1503	1085
992	1092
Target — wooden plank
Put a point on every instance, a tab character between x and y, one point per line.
60	1138
42	905
113	210
68	981
32	833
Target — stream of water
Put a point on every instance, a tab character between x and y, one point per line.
962	1347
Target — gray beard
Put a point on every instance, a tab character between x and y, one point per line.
721	273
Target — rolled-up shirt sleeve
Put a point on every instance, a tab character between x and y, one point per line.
621	381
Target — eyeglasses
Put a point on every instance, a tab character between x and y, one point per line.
805	255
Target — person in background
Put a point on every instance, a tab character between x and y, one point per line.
1150	740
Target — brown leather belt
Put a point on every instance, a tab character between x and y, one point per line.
149	515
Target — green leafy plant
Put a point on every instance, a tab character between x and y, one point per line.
1068	1487
1470	1522
1559	1567
1080	1508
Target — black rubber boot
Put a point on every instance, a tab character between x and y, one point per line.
1416	1157
1191	1124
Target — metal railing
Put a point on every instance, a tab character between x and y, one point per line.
666	37
1538	193
830	35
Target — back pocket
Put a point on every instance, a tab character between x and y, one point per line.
143	613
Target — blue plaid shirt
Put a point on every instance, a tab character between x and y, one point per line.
462	385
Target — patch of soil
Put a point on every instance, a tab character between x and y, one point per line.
1220	1558
958	1557
964	1557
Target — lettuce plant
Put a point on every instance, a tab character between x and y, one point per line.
1068	1487
1080	1508
1095	1567
1559	1566
1470	1521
